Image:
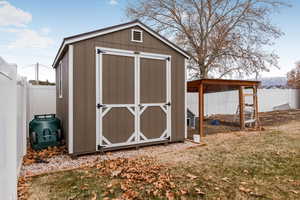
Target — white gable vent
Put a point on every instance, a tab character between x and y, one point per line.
136	35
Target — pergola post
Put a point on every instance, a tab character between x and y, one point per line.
242	106
201	110
255	105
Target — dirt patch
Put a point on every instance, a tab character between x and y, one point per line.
273	118
230	123
278	118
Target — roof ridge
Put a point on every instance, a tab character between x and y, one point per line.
104	28
71	39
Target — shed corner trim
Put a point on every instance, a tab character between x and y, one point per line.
70	98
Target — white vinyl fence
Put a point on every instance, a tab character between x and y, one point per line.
40	100
21	120
8	131
227	102
19	102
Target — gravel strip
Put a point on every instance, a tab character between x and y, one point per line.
64	162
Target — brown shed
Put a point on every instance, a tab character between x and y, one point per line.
120	87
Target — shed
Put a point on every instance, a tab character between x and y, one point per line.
119	87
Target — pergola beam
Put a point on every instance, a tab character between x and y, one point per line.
223	82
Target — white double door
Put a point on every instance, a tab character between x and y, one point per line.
133	95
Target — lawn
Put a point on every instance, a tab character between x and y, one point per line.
239	165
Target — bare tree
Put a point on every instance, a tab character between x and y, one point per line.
294	77
223	37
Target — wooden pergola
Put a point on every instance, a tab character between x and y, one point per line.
220	85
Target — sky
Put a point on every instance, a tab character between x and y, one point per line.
31	31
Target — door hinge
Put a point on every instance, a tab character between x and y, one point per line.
100	106
99	147
99	51
167	138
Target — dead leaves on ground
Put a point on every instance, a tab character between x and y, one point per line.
33	156
23	187
140	178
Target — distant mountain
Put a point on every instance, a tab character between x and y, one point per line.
274	82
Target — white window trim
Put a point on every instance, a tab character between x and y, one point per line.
60	85
132	35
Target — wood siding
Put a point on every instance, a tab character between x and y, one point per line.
153	81
62	103
153	122
118	79
85	84
118	125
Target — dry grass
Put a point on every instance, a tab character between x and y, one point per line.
240	165
245	165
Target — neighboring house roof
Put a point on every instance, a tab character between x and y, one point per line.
92	34
190	113
192	103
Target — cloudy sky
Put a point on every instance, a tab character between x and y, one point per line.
32	30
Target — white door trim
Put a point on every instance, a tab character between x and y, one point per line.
98	98
100	51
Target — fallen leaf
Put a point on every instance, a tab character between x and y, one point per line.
225	179
155	193
183	198
94	197
183	192
246	190
191	176
116	173
170	195
198	191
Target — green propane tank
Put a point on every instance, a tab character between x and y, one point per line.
44	131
